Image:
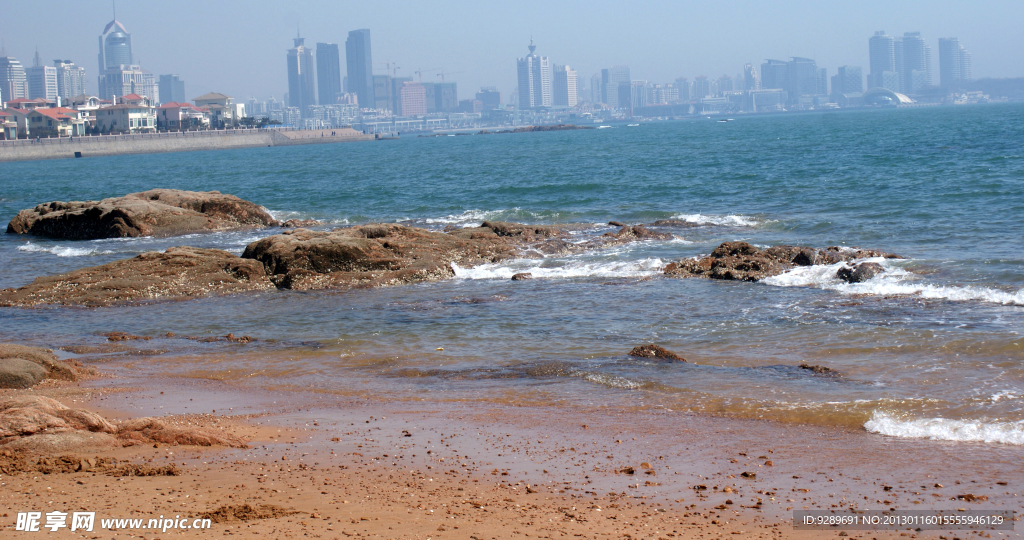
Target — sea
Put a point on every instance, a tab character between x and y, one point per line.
930	349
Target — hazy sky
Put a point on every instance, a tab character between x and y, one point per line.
238	47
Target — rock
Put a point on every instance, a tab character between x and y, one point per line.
378	254
31	415
151	430
157	212
300	223
23	367
654	351
744	262
616	224
675	223
635	233
522	276
18	373
859	273
820	370
178	273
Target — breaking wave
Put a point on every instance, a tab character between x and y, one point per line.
616	269
63	251
945	429
894	281
730	220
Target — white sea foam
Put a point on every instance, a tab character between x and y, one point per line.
63	251
573	269
613	381
467	218
727	220
945	429
893	281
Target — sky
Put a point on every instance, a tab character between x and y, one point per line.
238	47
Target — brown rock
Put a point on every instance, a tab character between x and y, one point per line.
299	223
151	430
31	415
616	224
821	370
157	212
522	276
859	273
23	367
375	254
637	232
654	351
179	273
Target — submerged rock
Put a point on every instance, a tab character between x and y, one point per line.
157	212
654	351
178	273
859	273
744	262
522	276
820	370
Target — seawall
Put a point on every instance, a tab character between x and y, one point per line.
112	145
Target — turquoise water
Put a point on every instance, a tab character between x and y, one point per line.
930	348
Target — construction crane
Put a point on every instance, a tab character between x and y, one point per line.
419	73
443	73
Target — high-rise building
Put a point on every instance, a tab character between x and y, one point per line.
701	87
822	82
916	72
172	89
564	87
883	62
534	74
725	84
803	78
42	80
359	65
13	82
70	79
490	97
774	75
446	97
328	73
396	94
750	79
611	78
119	75
954	63
683	88
301	90
849	80
414	99
382	93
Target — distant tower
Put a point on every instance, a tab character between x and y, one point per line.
359	64
954	63
882	57
13	82
328	72
301	91
119	76
42	80
534	73
565	92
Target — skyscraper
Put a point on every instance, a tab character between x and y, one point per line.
954	63
750	79
359	64
172	89
701	87
70	79
882	56
915	73
42	80
13	82
328	72
490	97
564	87
849	80
118	75
774	75
611	78
301	90
534	73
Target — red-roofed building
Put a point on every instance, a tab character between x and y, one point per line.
126	118
134	99
26	104
58	121
181	116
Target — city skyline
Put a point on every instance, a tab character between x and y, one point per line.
485	56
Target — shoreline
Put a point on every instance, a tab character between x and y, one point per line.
114	145
369	467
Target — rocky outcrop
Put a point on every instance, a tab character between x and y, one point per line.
634	234
157	212
743	262
522	276
859	273
178	273
654	351
375	255
37	424
24	367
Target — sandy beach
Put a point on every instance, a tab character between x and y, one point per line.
329	467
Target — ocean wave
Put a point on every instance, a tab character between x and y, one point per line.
467	218
614	381
945	429
63	251
893	281
615	269
731	220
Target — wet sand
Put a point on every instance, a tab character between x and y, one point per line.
364	468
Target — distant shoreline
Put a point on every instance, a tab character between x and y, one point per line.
113	145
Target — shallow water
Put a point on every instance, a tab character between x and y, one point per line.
931	348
